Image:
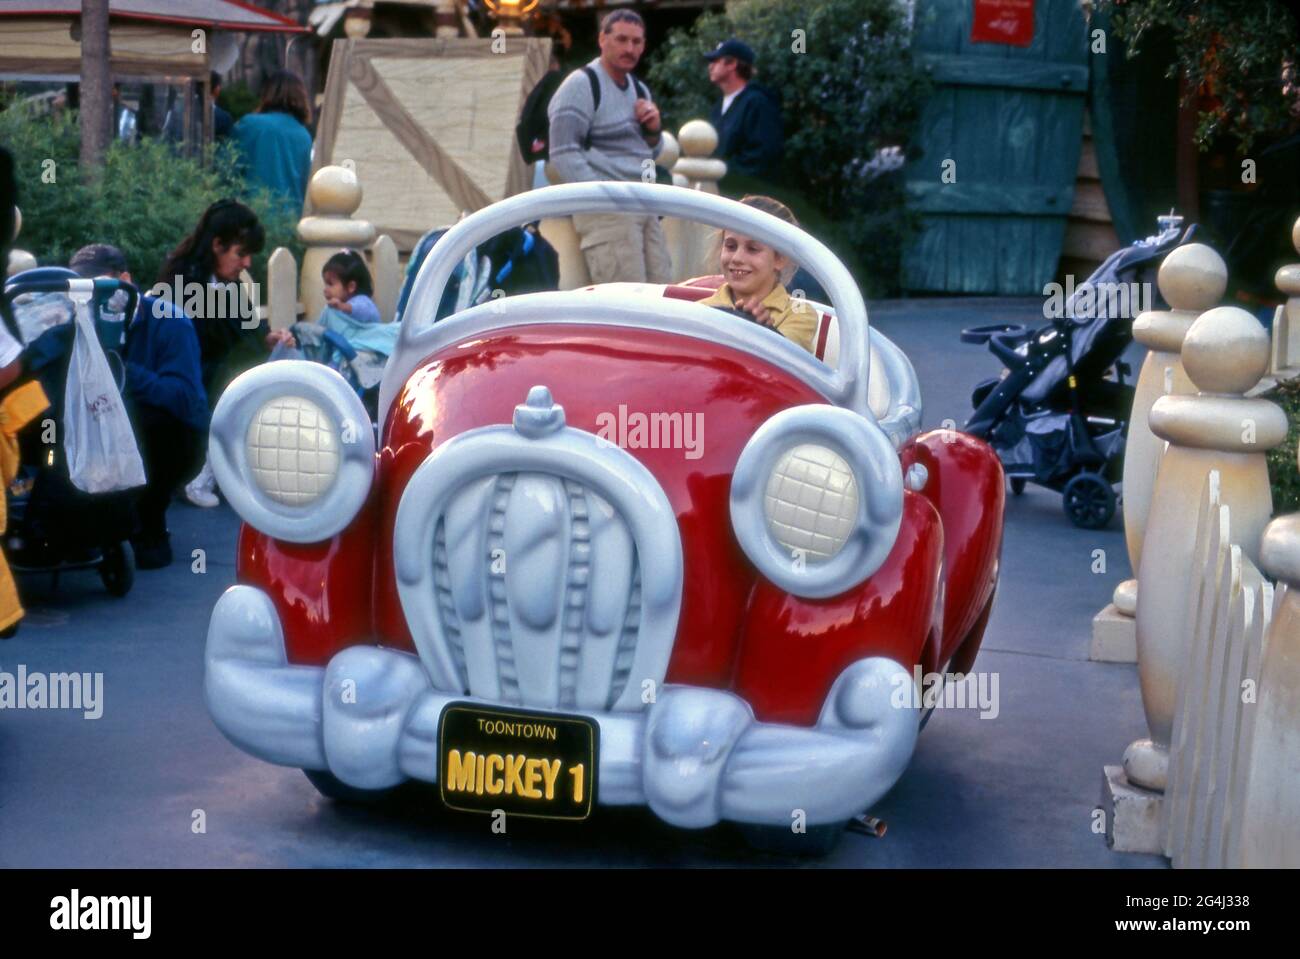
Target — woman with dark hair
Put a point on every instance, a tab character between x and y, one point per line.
275	142
201	277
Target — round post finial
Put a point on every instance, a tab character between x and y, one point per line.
335	191
698	138
1226	350
1192	277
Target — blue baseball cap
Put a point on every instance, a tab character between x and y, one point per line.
732	48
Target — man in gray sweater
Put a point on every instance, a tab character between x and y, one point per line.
605	126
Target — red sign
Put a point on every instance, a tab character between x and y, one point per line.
1003	21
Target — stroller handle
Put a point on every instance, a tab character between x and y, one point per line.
104	288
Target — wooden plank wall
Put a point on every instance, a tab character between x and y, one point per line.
428	125
46	45
1090	235
1008	118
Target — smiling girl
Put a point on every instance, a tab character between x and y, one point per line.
752	274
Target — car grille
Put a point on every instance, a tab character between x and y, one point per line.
560	583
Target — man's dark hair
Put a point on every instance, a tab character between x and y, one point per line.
744	70
350	268
214	81
98	259
621	16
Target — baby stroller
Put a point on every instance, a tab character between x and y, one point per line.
517	261
53	526
359	362
1058	414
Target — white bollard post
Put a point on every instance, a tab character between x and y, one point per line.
1286	323
698	140
335	195
691	244
1225	352
559	232
1192	279
19	260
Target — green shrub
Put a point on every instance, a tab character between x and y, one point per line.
146	199
848	88
1237	58
237	99
1283	474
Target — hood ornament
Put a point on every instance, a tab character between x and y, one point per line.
539	415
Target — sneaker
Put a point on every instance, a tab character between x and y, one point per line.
152	555
201	491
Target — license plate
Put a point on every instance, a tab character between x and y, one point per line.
523	762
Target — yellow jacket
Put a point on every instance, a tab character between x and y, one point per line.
17	409
796	321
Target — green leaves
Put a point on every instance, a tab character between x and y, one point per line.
1238	58
148	199
1282	472
848	88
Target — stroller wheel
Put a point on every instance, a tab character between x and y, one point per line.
1089	501
117	570
1017	485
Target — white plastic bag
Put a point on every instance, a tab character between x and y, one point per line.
98	441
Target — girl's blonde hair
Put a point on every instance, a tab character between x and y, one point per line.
777	209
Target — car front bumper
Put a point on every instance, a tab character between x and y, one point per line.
695	756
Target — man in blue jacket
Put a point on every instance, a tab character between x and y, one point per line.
164	392
751	135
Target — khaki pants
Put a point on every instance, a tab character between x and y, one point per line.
628	249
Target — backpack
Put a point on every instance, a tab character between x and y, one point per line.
534	127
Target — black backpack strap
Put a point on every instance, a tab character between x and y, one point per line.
641	90
595	88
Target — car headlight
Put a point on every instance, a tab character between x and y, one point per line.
293	450
817	500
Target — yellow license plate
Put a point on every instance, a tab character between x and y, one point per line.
522	762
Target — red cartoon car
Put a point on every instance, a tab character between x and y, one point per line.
611	547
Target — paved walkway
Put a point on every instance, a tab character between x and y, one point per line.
123	790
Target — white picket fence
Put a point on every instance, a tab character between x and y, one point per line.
1233	794
1210	754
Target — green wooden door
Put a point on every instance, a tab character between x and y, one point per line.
999	142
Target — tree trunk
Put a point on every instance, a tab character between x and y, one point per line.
96	86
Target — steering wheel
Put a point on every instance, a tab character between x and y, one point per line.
734	311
